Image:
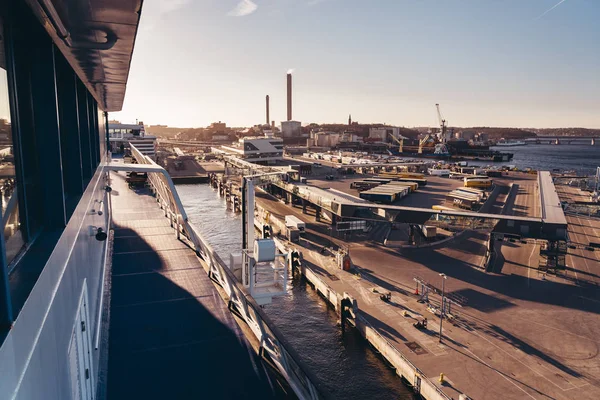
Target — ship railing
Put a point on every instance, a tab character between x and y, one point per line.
273	346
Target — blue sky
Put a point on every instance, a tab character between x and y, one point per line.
487	62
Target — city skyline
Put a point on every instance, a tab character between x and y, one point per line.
508	65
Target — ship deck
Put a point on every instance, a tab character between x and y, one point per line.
170	335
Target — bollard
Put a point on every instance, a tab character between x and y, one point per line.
345	304
441	377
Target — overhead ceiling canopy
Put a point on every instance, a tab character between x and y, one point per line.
97	38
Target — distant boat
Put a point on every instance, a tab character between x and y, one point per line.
510	143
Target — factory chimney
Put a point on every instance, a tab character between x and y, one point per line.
289	96
267	100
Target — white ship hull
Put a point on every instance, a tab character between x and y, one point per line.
511	144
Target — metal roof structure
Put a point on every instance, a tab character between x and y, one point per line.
97	38
552	211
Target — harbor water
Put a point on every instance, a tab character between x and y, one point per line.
580	158
346	366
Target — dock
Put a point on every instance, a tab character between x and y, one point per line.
519	333
185	169
171	335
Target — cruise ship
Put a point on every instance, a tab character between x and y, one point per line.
108	292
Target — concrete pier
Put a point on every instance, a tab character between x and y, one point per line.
520	333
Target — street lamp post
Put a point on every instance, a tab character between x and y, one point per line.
442	306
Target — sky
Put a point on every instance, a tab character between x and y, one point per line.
510	63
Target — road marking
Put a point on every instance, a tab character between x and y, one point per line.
521	362
578	387
529	264
501	374
587	298
572	263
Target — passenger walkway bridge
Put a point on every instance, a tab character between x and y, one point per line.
552	225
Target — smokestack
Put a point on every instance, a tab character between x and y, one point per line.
267	100
289	96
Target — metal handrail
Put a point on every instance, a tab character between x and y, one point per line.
271	341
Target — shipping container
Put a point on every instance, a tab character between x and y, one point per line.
471	191
294	222
472	177
461	201
411	185
385	198
396	189
363	185
438	172
420	182
493	173
380	180
404	174
471	196
481	183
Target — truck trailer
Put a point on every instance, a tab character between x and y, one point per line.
294	222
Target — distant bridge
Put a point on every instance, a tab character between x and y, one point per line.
564	137
592	140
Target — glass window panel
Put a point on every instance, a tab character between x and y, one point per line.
8	184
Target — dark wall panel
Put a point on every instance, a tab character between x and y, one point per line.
93	120
66	85
84	132
47	132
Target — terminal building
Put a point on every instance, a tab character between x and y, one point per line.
263	149
121	135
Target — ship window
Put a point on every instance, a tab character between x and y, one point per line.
8	183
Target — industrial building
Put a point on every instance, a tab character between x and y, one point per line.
263	149
323	139
290	129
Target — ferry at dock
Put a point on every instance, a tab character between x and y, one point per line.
510	143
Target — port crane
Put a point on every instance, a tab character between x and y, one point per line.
443	136
441	139
399	140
